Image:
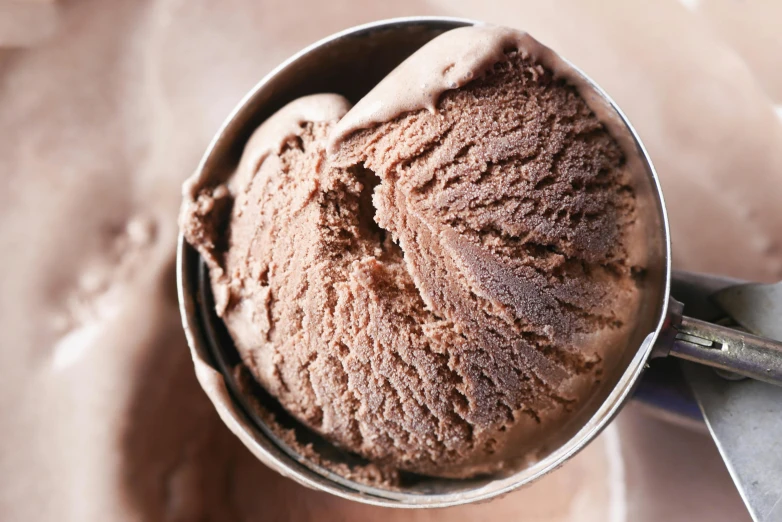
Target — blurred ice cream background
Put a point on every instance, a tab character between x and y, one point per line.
106	107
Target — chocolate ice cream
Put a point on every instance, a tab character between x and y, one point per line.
438	278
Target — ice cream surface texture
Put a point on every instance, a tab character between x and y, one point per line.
438	278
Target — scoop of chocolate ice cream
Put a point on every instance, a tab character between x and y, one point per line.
436	286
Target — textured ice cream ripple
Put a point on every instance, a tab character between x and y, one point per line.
443	291
512	207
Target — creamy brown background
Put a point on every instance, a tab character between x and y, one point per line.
105	107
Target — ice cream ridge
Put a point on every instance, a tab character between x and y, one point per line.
438	277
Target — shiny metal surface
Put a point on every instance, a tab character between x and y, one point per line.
728	349
734	352
663	392
756	307
364	55
744	417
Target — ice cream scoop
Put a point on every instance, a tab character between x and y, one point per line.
446	286
344	57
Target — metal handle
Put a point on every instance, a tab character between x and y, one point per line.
727	349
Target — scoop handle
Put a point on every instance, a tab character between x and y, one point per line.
726	349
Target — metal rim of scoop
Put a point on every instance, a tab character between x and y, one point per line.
661	336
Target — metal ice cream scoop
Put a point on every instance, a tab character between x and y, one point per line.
350	63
